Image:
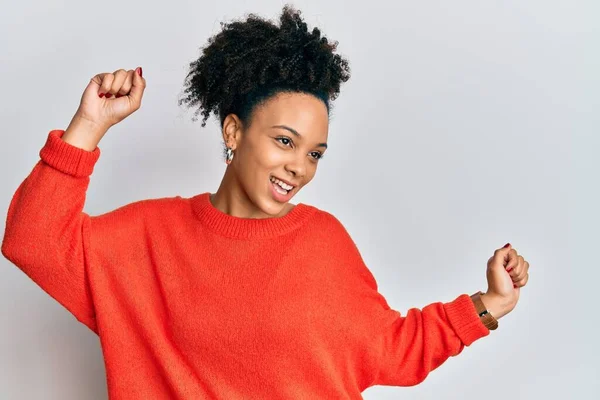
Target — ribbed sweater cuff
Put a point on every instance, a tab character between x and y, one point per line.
67	158
463	316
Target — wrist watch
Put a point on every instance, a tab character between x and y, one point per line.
484	315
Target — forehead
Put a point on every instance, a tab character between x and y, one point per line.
303	112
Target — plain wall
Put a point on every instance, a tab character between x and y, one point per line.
465	125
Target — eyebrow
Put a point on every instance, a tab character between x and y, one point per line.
296	133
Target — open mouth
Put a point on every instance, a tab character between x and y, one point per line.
280	186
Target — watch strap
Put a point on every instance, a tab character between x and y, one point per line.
484	315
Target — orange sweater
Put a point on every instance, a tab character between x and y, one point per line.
192	303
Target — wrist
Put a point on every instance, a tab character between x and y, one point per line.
83	133
496	305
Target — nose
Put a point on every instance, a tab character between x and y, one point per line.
296	166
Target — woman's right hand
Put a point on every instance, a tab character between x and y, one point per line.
109	98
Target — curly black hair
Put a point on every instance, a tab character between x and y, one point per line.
250	61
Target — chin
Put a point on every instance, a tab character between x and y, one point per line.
265	204
271	202
272	207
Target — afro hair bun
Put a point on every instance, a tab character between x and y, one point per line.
248	61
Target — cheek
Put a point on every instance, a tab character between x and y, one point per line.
258	162
311	170
267	156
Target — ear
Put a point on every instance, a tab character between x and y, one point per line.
232	131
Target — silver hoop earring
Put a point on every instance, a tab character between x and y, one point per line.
229	155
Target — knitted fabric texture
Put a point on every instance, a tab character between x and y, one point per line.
192	303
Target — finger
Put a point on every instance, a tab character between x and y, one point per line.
522	282
98	79
120	76
523	267
512	260
499	259
107	80
138	87
519	269
126	87
519	276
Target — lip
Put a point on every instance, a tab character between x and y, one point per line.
281	198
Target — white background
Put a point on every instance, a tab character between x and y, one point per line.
465	125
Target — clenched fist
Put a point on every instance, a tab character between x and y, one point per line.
98	104
507	272
100	107
107	100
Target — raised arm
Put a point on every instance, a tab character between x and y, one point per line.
47	233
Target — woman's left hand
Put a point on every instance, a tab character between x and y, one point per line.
507	273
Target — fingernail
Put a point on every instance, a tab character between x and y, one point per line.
139	71
101	95
118	95
506	245
108	95
515	286
508	270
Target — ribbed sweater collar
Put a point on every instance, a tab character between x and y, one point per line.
248	228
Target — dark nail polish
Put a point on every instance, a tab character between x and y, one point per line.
101	95
108	95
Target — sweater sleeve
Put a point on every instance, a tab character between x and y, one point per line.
47	234
402	349
408	347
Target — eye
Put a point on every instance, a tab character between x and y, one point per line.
284	140
317	155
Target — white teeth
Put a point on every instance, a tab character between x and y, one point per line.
282	184
280	191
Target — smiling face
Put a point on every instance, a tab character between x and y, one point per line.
275	156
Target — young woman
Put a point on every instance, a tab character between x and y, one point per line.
237	294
